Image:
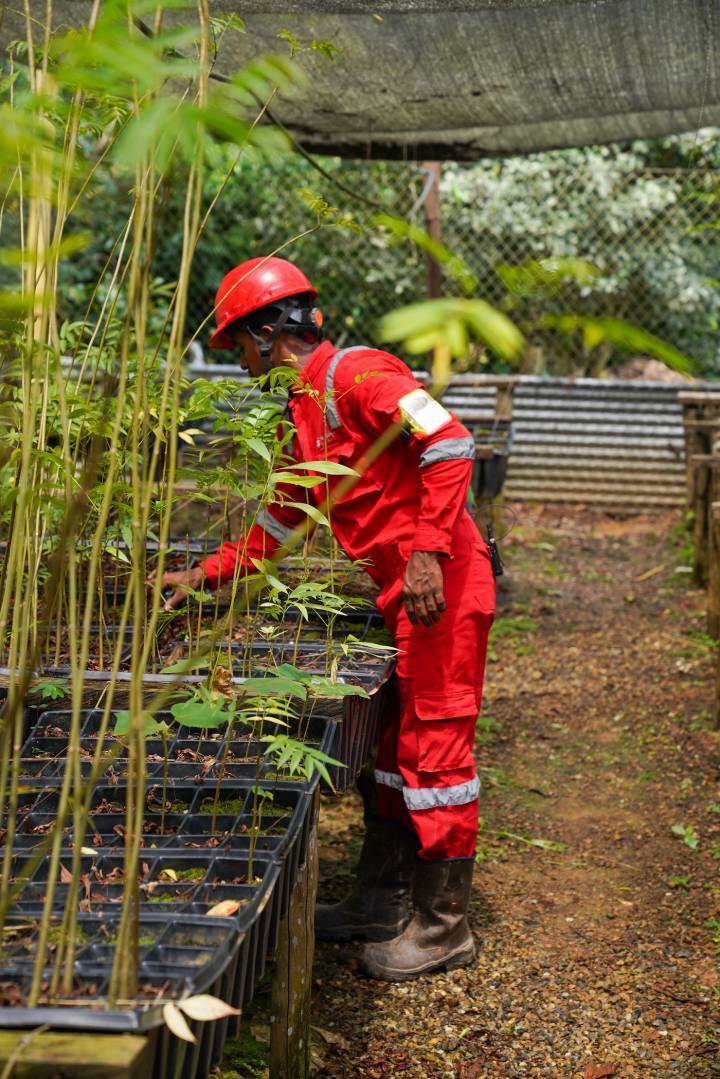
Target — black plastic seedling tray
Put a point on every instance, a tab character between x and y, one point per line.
183	830
353	737
223	757
183	957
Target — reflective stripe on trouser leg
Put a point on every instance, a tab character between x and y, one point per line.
441	786
439	804
389	779
457	794
445	814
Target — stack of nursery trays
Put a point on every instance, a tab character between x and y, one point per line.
224	833
221	847
346	728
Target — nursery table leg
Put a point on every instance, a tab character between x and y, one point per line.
53	1055
292	978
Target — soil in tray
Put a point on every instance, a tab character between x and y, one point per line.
91	992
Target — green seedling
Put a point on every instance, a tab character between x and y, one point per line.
487	729
52	689
688	835
298	758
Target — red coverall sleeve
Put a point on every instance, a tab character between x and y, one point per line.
368	387
273	526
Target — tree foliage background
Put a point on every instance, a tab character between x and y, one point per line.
641	214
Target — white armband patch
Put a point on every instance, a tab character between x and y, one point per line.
423	412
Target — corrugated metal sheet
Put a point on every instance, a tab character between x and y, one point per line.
602	441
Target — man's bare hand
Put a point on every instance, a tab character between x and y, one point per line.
423	584
180	581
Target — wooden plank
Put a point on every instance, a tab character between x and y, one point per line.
292	979
51	1054
689	397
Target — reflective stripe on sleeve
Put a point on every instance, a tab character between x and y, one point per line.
331	412
272	526
435	797
389	779
448	449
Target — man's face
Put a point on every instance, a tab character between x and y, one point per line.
249	351
281	354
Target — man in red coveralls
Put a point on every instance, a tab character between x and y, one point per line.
406	517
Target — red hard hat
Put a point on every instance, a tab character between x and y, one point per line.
251	285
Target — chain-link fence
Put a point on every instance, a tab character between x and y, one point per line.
647	232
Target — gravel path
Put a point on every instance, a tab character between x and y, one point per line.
597	953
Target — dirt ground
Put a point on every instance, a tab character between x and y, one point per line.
597	877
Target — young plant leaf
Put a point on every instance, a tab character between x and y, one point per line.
275	687
323	687
122	723
259	448
200	714
192	663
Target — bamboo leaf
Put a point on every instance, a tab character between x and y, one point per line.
328	468
311	511
322	770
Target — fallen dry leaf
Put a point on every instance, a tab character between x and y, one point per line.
204	1007
646	577
177	1023
474	1069
221	683
598	1071
224	909
331	1037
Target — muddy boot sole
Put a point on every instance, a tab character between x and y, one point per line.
463	956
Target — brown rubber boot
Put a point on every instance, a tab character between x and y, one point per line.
438	937
378	907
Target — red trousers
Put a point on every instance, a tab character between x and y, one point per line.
425	767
